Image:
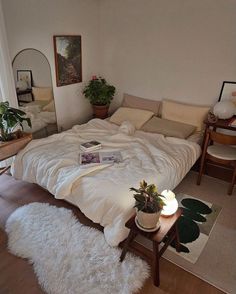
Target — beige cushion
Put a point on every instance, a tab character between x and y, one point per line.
137	117
185	113
222	152
49	107
168	128
42	93
141	103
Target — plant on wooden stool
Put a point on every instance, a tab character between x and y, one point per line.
10	118
100	94
149	204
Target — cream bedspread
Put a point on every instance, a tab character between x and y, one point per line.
102	191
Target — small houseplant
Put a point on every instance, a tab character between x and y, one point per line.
10	118
100	94
149	204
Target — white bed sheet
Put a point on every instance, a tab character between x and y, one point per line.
102	192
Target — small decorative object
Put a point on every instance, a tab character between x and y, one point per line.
10	118
171	204
68	59
24	79
211	117
100	94
224	109
149	204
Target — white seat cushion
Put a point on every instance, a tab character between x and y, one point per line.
222	152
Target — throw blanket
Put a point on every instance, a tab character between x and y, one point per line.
102	191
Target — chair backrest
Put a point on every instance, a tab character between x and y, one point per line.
222	138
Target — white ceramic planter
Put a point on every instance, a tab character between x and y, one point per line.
148	220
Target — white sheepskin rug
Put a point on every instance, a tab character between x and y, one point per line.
68	257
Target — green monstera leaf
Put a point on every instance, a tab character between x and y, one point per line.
187	227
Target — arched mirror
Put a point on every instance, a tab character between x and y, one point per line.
32	74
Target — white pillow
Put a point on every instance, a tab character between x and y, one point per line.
42	93
189	114
137	117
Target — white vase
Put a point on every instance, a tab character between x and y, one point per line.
148	220
224	109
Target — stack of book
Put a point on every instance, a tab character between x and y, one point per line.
90	146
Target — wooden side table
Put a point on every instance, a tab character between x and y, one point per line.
11	148
167	233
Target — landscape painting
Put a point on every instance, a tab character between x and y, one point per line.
68	59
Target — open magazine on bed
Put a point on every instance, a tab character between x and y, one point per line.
88	158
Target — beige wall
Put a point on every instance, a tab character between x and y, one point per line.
32	24
181	49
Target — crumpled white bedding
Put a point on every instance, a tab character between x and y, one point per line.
102	191
39	119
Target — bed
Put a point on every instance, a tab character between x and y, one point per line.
102	191
43	118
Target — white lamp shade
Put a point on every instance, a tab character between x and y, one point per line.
224	109
171	204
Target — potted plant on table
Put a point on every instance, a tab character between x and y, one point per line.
100	94
149	204
10	118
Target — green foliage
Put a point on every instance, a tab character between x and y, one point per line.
147	198
99	92
9	119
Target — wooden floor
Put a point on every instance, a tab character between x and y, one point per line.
17	276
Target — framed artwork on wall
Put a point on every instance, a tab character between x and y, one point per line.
68	59
25	76
228	91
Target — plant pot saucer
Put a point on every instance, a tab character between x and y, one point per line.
157	227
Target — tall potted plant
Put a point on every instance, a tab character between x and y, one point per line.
10	118
149	204
100	94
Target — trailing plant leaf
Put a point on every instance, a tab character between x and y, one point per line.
9	119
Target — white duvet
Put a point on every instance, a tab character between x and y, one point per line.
102	191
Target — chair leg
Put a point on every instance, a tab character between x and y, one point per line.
231	186
204	156
202	166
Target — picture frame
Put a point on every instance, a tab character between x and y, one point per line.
68	59
228	91
26	76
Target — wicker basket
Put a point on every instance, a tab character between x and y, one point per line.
11	148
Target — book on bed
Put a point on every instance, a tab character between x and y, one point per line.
90	146
88	158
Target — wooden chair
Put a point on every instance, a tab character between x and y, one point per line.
223	154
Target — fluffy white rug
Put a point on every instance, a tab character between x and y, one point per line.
68	257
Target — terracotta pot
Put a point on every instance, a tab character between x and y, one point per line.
148	220
100	111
